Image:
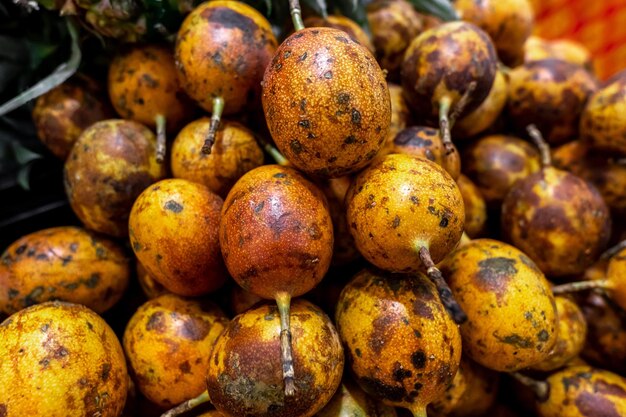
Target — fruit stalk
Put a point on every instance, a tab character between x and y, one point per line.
160	132
579	286
275	153
187	405
283	299
540	143
216	115
419	412
612	251
463	102
444	124
296	14
541	389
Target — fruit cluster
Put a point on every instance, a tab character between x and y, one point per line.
442	219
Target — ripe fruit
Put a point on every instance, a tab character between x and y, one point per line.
150	286
344	24
62	263
174	234
112	162
400	114
352	401
65	361
475	207
326	102
536	49
403	347
168	342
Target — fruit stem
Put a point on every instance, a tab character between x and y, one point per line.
159	120
418	411
187	405
275	153
539	141
296	14
612	251
541	389
463	102
579	286
283	299
216	115
445	294
444	124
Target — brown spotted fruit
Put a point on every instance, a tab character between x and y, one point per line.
112	162
234	153
168	342
63	263
400	113
60	359
351	401
61	115
222	49
536	49
551	94
512	318
240	300
326	102
403	347
344	24
173	229
475	207
276	236
143	86
443	65
150	286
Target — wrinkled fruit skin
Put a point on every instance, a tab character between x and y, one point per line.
402	345
583	391
351	401
168	343
442	62
276	232
174	234
326	102
112	162
475	207
558	219
234	153
512	319
62	114
400	203
342	23
222	49
66	264
143	84
61	360
550	94
616	276
245	376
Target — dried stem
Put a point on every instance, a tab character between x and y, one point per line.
579	286
160	131
539	141
296	14
463	102
444	125
283	299
216	115
187	405
612	251
275	153
541	389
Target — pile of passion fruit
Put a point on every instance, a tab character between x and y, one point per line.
422	219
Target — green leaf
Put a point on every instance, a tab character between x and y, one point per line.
440	8
24	155
23	177
40	51
58	76
318	6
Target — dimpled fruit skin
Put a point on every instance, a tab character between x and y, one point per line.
234	153
403	347
222	49
62	263
441	62
401	201
245	376
558	219
112	162
512	319
351	401
60	360
168	342
582	391
276	232
174	234
326	102
603	122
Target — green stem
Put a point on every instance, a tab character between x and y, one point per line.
444	124
275	153
612	251
187	405
418	411
541	389
159	120
579	286
283	300
296	14
540	143
216	115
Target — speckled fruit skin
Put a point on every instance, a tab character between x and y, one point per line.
62	263
400	202
394	24
487	113
616	277
512	319
570	338
234	153
583	391
222	49
143	84
507	22
403	347
62	114
351	401
475	207
603	121
344	24
112	162
550	94
245	376
558	219
471	393
150	286
168	342
536	49
326	102
276	232
174	233
497	162
61	360
442	62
